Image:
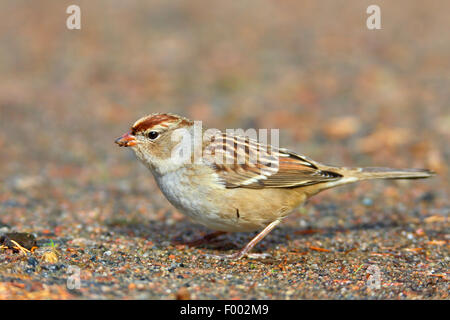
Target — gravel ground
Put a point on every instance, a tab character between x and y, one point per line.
339	93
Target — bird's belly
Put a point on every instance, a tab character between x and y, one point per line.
218	208
196	199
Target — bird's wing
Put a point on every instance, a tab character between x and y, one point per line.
241	162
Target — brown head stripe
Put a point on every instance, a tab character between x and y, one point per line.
156	119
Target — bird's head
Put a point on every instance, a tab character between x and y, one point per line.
154	138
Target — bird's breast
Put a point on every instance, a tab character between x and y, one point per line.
195	194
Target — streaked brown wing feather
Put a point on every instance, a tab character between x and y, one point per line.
291	170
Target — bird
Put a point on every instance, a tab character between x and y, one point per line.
230	182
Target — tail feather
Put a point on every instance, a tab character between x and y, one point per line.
350	175
389	173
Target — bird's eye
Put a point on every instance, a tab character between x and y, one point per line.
153	135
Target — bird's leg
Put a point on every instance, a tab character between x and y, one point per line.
205	239
244	251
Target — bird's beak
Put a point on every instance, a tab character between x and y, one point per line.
127	140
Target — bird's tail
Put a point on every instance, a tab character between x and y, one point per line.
389	173
350	175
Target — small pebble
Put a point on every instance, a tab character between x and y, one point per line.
172	267
32	261
367	202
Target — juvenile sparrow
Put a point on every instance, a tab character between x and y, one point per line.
217	182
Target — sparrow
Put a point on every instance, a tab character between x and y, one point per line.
233	183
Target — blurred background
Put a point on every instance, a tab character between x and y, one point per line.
338	92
